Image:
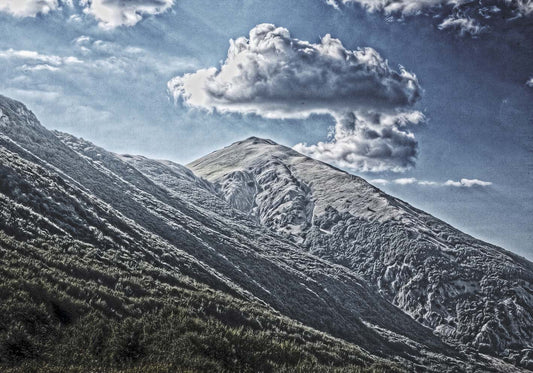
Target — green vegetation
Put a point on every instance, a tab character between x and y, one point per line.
68	307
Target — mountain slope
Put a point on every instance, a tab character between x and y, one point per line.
471	293
93	238
94	241
99	233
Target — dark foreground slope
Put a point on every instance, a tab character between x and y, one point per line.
126	261
471	293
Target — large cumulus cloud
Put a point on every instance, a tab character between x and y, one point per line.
466	16
274	75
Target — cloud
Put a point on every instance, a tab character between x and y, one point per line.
40	67
114	13
405	181
529	83
485	8
463	183
468	183
35	61
28	8
379	181
276	76
273	75
113	57
108	13
465	16
428	183
464	25
369	142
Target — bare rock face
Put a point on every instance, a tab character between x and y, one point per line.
470	293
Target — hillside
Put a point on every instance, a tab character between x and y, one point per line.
119	261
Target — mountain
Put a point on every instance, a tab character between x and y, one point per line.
123	262
469	292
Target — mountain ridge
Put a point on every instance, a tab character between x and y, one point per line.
158	218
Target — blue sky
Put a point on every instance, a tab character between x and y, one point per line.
100	71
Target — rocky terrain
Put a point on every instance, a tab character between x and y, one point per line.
255	227
469	292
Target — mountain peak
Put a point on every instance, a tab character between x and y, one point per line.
254	140
11	109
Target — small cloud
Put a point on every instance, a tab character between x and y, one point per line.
405	181
28	8
529	83
428	183
114	13
82	40
463	183
379	181
464	25
468	183
43	67
36	61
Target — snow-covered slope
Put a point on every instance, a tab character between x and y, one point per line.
469	292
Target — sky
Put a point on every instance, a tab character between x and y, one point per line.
431	101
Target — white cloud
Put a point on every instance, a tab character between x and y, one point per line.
40	67
415	7
404	7
274	75
108	13
369	142
463	183
114	13
468	183
405	181
428	183
529	83
379	181
28	8
35	61
464	25
82	40
465	16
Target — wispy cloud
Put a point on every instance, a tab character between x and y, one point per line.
113	57
462	183
380	181
467	183
467	17
35	61
464	25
